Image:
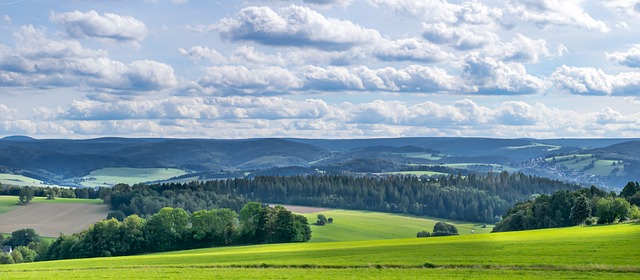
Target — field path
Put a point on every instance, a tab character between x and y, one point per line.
51	219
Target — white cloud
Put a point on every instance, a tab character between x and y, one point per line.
197	53
593	81
623	7
546	13
524	49
629	58
486	75
294	26
467	12
243	79
461	38
411	49
108	26
7	113
38	61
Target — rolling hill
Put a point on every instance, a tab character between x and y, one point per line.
63	162
594	252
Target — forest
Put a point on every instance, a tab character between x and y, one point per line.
567	208
475	197
170	229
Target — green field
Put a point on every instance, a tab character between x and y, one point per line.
114	175
352	225
19	180
577	162
418	173
594	252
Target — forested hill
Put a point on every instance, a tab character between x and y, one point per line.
601	162
481	198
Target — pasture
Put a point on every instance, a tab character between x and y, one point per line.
351	225
19	180
114	175
593	252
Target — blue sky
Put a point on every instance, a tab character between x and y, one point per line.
320	68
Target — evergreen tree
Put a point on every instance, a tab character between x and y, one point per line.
581	209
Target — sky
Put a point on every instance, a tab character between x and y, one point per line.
320	68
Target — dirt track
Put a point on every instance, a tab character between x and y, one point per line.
51	219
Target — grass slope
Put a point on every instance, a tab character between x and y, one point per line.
352	225
114	175
592	252
19	180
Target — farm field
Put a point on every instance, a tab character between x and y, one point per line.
593	252
114	175
50	217
19	180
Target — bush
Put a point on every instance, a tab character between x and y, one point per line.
118	215
423	233
444	229
6	258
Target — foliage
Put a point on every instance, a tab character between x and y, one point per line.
6	258
444	229
581	209
480	198
174	229
321	220
423	233
561	209
27	254
22	237
53	192
26	195
330	220
630	189
118	215
611	209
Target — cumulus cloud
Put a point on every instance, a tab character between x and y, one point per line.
107	26
524	49
197	53
546	13
486	75
7	113
467	12
294	26
593	81
37	61
411	49
623	7
629	58
461	38
257	80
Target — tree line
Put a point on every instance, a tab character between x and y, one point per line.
51	192
168	230
570	208
475	197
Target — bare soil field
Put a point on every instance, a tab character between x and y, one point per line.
302	209
51	219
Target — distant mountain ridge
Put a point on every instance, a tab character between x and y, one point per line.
597	161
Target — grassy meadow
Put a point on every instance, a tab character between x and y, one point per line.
114	175
350	225
593	252
19	180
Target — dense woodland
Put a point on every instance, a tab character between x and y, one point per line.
480	198
168	230
566	208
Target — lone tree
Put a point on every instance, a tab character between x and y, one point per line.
444	229
322	220
581	210
25	195
330	220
